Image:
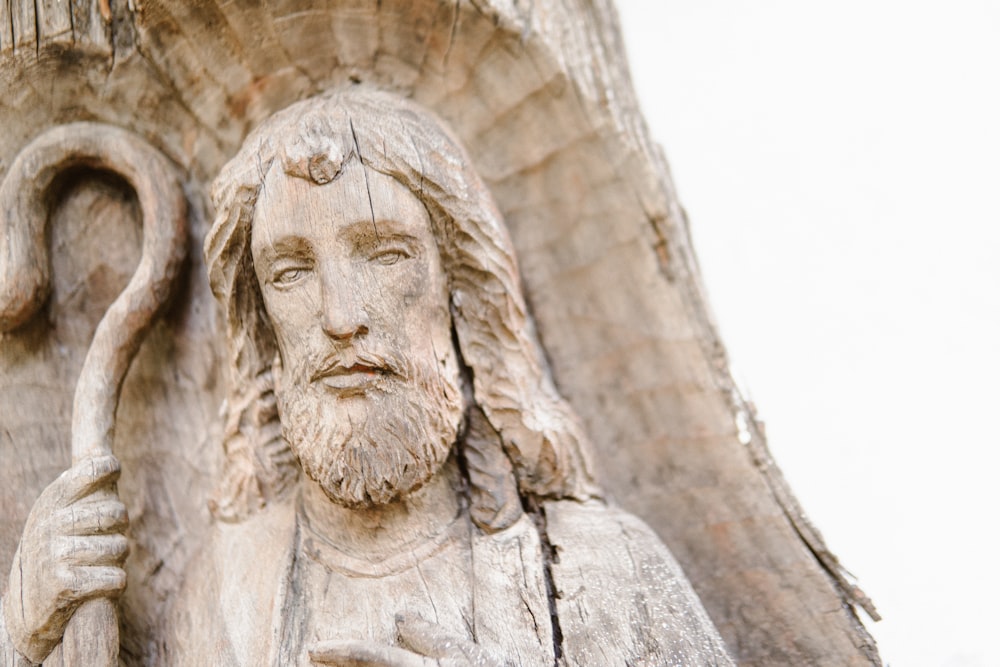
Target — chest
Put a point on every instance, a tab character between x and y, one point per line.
485	589
340	598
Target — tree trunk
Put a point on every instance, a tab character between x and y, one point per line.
539	93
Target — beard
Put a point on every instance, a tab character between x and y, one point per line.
371	447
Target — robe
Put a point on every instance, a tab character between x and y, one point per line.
618	596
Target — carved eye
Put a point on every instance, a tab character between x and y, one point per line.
289	276
390	257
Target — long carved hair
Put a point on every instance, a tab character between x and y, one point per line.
519	426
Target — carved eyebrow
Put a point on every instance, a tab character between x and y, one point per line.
287	246
364	233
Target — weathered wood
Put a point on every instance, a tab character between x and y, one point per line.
91	635
54	21
542	101
91	23
25	37
377	258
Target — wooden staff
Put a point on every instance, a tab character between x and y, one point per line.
91	637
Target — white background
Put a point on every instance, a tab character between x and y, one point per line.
840	163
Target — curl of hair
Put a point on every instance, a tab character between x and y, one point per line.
538	431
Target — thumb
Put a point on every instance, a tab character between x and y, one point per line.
86	477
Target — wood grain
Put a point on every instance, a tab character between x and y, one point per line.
542	100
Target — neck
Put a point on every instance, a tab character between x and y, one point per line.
376	532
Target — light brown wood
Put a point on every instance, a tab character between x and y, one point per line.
89	632
541	100
371	295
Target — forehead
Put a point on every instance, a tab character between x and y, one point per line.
358	197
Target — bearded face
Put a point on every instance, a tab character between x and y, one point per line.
367	383
369	427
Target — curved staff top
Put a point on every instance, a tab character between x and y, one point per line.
91	637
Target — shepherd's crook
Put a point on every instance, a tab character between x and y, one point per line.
91	637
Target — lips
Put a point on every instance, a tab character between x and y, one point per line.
353	371
356	376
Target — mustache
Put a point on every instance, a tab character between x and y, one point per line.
355	359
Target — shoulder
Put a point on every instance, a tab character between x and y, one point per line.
621	597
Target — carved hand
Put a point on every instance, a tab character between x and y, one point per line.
72	550
428	645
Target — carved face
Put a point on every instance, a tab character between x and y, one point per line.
352	281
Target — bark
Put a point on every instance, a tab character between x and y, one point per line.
539	94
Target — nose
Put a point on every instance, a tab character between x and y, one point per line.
344	316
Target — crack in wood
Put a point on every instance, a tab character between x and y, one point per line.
536	511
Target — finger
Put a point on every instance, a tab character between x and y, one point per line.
88	476
93	518
84	583
430	639
424	637
91	550
355	653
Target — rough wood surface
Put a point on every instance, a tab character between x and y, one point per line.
91	635
539	94
372	306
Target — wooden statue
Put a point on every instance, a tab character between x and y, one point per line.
431	452
373	299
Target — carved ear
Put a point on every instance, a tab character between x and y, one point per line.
495	503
